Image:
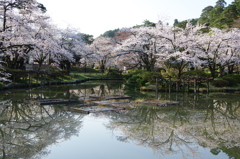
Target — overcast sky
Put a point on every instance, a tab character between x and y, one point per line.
97	16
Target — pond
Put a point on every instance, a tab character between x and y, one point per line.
199	126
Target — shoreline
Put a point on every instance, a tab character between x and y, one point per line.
31	85
34	85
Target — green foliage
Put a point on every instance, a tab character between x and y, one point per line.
220	3
220	83
52	69
232	79
131	73
205	16
215	151
135	82
227	17
174	66
169	72
182	24
42	7
227	81
198	73
114	73
146	23
110	33
220	15
139	78
88	39
231	152
150	76
83	69
16	74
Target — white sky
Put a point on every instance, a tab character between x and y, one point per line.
94	17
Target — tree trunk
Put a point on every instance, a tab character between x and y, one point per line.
221	68
230	69
212	70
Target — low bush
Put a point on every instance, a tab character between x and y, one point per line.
84	70
138	78
132	73
196	73
150	76
135	81
114	73
220	83
232	79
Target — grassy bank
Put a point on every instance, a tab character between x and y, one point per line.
27	79
139	80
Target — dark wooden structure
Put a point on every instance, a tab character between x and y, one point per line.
52	101
183	84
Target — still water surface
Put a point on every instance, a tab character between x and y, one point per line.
201	126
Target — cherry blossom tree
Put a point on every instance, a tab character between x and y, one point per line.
180	48
229	56
44	40
3	74
232	56
218	49
178	44
102	49
18	18
72	41
13	35
142	46
27	33
127	61
161	43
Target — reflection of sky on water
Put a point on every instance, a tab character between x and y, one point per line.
96	141
211	121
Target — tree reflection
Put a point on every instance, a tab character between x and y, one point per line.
182	129
26	130
201	120
100	90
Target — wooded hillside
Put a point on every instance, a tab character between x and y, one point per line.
220	16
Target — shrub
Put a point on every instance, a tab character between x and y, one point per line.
170	72
135	81
139	78
114	73
84	69
150	76
132	73
220	83
232	79
196	73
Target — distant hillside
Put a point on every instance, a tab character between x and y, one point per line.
182	24
122	36
116	33
236	23
220	16
110	33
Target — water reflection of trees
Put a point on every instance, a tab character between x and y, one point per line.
98	90
26	130
206	120
182	129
